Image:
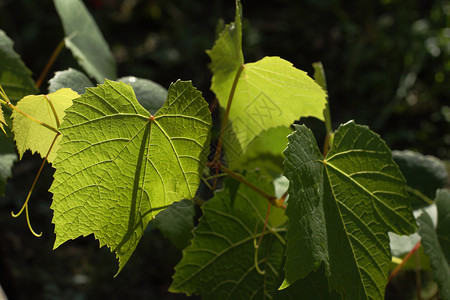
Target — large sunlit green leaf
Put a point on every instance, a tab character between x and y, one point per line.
15	77
118	166
269	93
48	109
340	209
432	248
85	40
222	262
70	78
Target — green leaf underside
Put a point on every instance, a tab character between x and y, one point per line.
443	225
220	262
30	135
117	168
85	40
150	94
176	222
341	208
432	248
265	88
70	78
15	77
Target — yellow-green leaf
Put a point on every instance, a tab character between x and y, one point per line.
48	109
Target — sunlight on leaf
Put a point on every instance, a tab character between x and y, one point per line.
119	166
49	109
265	88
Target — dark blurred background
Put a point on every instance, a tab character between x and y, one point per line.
387	64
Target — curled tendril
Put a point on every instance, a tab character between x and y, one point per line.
27	215
258	269
25	204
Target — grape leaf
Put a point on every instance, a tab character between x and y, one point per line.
70	78
15	78
176	222
432	248
443	225
118	166
49	109
85	40
220	262
341	208
264	89
150	94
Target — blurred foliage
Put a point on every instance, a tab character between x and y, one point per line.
387	64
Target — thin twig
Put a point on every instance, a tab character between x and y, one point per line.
50	63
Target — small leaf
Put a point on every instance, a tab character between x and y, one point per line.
119	166
70	78
341	208
220	262
443	225
424	174
15	78
149	94
49	109
432	248
6	163
85	40
176	222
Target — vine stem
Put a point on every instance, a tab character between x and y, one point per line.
272	199
50	63
5	101
227	112
407	257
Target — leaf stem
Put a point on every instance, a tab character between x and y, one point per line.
227	112
50	63
241	179
11	106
